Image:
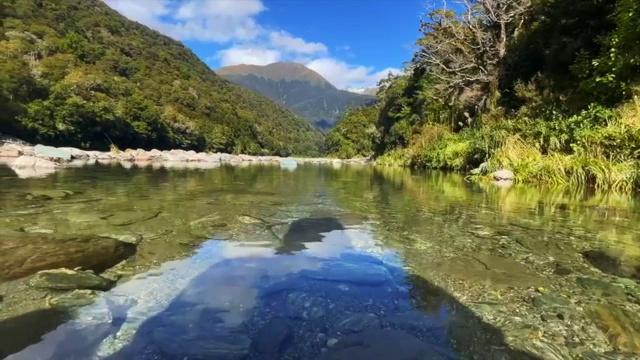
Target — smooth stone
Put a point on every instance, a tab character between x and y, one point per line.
358	322
23	254
65	279
73	299
547	300
52	153
35	229
134	239
620	326
85	217
503	174
48	194
382	344
600	288
561	270
360	274
124	218
272	338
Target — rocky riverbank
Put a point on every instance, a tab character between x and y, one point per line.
28	161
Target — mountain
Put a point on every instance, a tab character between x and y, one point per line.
77	73
299	88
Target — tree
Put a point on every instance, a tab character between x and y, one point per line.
465	51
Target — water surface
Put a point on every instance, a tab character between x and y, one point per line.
321	262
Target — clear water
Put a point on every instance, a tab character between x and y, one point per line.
261	262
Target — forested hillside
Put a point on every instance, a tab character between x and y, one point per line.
546	88
299	88
77	73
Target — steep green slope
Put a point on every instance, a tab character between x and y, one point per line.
299	88
78	73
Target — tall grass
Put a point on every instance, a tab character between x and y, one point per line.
598	149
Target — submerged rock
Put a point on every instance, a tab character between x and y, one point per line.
550	301
218	343
65	279
123	218
613	263
272	338
73	299
382	344
23	254
301	305
600	288
621	327
48	194
355	323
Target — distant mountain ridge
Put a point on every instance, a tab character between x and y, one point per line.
299	88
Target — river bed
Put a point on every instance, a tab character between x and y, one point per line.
320	261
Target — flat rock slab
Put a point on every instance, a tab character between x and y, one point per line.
493	269
52	153
131	217
384	344
23	254
65	279
73	299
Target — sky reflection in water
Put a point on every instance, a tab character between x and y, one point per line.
213	304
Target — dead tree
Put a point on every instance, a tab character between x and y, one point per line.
465	50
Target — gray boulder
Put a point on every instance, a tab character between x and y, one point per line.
52	153
503	174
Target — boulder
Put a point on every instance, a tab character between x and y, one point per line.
23	254
32	162
52	153
10	151
65	279
76	153
503	174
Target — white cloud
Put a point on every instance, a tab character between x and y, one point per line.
201	20
247	55
344	75
285	42
234	22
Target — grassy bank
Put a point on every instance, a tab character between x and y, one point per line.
598	148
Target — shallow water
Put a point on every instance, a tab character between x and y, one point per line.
324	262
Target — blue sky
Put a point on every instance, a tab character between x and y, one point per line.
352	43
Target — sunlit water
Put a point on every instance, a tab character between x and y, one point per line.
265	262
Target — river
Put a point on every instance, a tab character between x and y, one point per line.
314	262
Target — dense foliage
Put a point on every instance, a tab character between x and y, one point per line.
77	73
547	88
